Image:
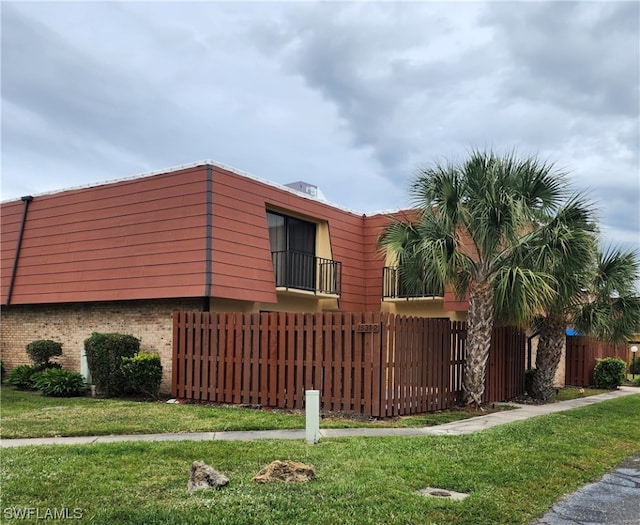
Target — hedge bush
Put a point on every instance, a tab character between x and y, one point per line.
54	382
104	358
634	367
42	350
609	372
22	377
143	373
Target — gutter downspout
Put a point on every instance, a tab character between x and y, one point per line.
208	242
26	200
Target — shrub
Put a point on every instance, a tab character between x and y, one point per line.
55	382
609	372
22	377
104	357
42	350
143	373
636	381
3	370
634	367
528	380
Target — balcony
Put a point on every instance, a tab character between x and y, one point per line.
394	288
302	271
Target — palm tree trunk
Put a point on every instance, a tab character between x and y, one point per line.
479	329
550	344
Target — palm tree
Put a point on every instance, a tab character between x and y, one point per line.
471	218
595	291
605	306
564	246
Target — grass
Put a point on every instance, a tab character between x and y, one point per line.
571	392
632	378
513	474
28	414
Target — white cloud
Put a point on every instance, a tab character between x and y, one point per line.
353	97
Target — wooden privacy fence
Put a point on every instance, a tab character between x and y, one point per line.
373	364
582	353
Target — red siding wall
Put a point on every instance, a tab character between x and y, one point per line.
242	267
374	260
10	223
136	239
146	238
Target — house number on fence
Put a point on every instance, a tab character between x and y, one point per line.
368	328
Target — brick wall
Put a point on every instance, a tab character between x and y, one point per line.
70	324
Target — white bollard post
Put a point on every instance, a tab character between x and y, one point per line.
312	409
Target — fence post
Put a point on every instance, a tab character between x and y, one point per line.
312	410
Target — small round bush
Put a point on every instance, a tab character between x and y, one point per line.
143	373
609	372
22	377
42	350
55	382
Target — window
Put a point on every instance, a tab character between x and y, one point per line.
293	250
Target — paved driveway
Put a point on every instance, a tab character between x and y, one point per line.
613	500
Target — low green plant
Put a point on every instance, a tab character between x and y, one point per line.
42	350
104	358
609	372
3	371
634	367
55	382
636	381
22	377
528	379
143	373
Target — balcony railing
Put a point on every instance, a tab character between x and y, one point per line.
394	288
301	271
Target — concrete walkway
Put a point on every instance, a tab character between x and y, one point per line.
466	426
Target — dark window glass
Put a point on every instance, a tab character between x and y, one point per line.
293	248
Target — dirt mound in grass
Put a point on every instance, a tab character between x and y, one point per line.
287	471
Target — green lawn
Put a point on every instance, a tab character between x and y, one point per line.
513	472
573	392
28	414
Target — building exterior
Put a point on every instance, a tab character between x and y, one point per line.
122	256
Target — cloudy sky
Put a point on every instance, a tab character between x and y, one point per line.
352	96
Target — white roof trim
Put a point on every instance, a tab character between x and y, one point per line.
206	162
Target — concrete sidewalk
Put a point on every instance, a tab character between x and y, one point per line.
466	426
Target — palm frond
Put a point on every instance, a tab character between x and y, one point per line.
617	273
521	293
612	312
